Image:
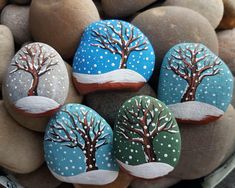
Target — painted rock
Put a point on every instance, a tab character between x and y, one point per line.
36	83
211	9
123	8
112	55
8	181
165	27
226	40
17	19
7	50
195	84
78	147
107	103
146	138
70	17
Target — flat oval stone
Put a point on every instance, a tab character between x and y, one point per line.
17	19
78	146
212	9
70	17
195	84
146	138
112	55
36	82
167	26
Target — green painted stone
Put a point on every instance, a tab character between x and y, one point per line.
147	141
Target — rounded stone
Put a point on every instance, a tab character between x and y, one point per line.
7	50
42	177
36	85
123	8
78	147
112	55
122	181
147	140
17	19
233	101
204	148
107	103
21	150
226	40
212	9
62	29
228	21
169	25
195	84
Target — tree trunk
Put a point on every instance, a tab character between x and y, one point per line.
34	86
123	63
190	94
90	159
148	150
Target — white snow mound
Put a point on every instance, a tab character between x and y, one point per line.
36	104
95	177
194	110
120	75
149	170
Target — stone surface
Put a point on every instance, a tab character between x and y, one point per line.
107	103
168	26
2	4
35	88
123	181
73	95
233	101
212	9
123	8
7	50
228	21
226	40
204	148
62	29
40	178
21	150
17	19
195	83
159	183
77	130
147	141
127	64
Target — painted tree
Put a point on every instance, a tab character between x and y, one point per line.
120	40
142	124
193	65
36	62
70	132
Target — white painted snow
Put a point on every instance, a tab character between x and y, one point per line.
36	104
120	75
148	170
194	110
95	177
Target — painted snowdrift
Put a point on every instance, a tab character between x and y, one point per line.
37	106
195	111
95	177
119	79
149	170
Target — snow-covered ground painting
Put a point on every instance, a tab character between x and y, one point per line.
195	83
79	147
112	54
147	141
36	82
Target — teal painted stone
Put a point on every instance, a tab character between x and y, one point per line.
147	141
78	146
195	84
112	55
